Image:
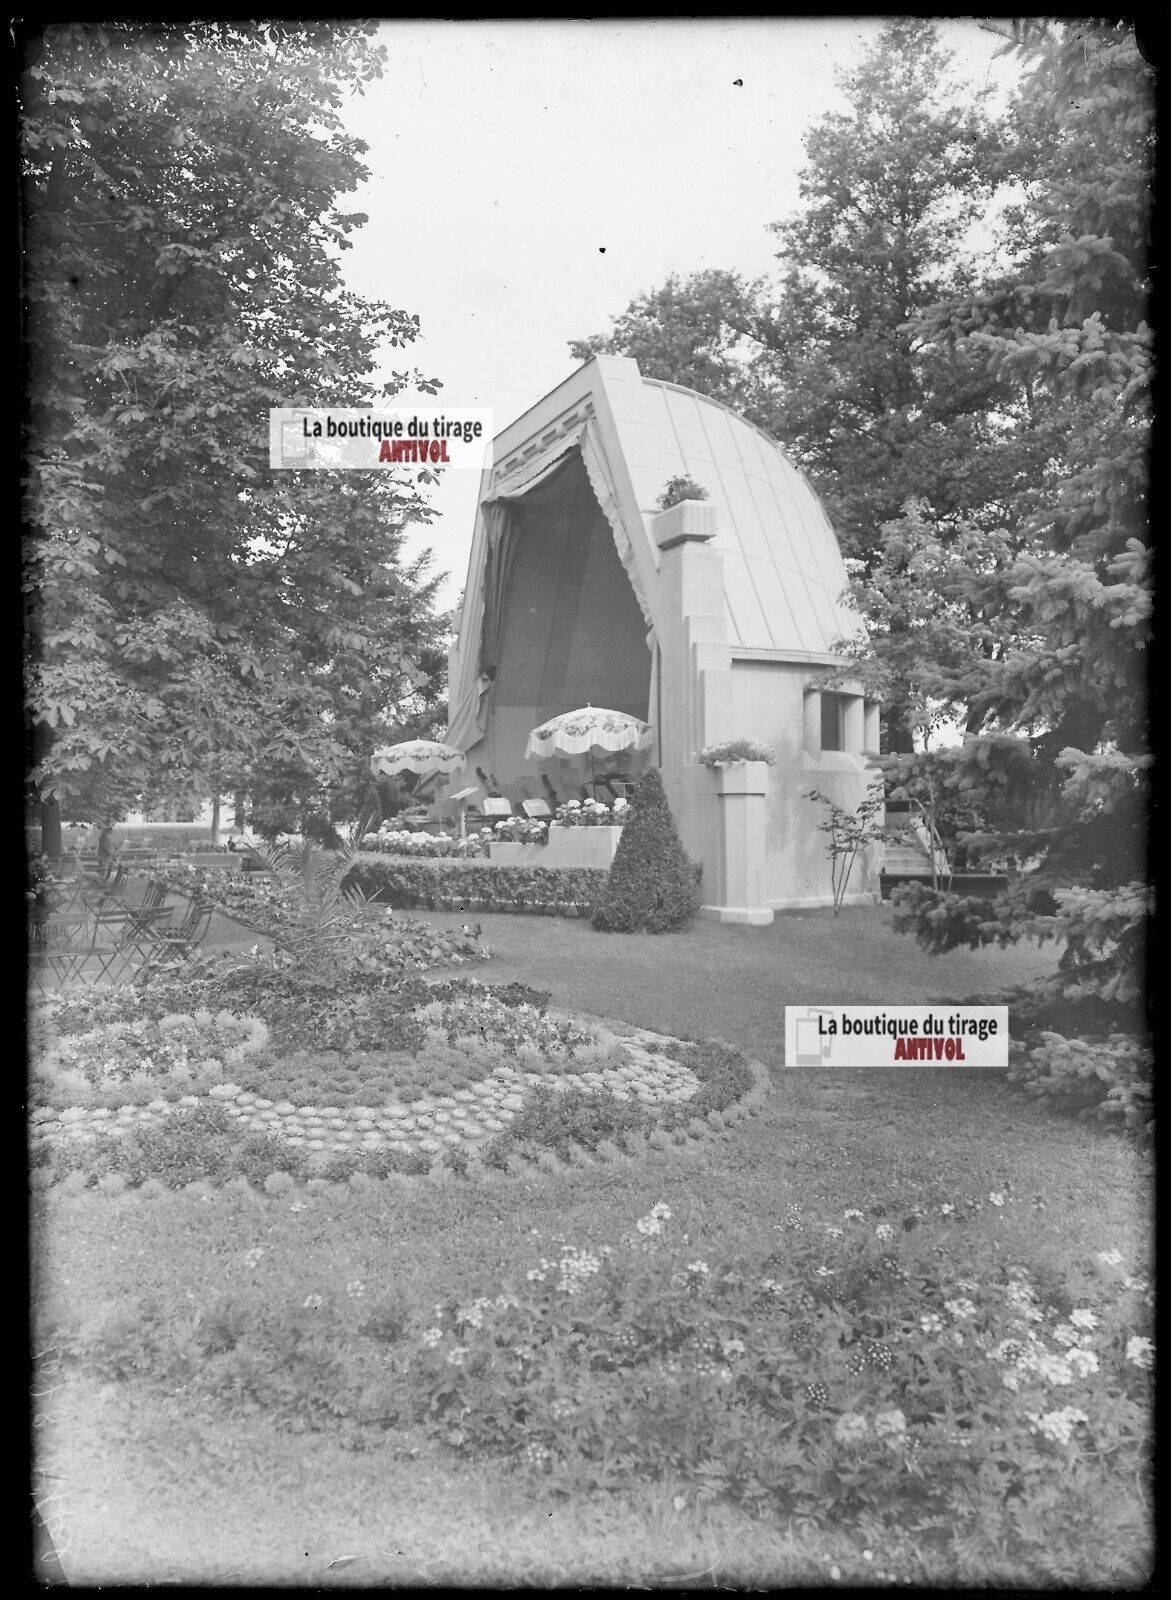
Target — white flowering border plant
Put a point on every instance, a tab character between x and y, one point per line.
734	752
763	1381
592	814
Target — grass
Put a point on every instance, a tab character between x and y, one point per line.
733	983
156	1488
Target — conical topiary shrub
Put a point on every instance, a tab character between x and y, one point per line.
651	887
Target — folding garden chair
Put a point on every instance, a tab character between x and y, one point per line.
56	950
175	943
133	937
98	890
152	900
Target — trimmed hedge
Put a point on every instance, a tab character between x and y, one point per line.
439	884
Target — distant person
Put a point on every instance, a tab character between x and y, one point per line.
106	848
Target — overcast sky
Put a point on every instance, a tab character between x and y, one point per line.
529	179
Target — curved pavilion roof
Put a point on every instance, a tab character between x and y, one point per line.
783	571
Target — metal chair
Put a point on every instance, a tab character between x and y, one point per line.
56	950
99	887
134	936
174	944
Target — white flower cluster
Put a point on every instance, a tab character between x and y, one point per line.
888	1424
1057	1425
1140	1353
1068	1335
1023	1299
1110	1258
850	1427
652	1223
1049	1367
577	1267
473	1315
961	1310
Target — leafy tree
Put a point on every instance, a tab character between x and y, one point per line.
695	331
891	189
198	622
876	412
650	887
1069	320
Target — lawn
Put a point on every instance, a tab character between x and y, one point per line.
236	1379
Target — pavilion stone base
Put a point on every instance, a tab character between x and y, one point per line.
752	916
567	847
824	902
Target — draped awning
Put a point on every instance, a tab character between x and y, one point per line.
480	644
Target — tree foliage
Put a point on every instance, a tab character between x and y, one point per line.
696	331
198	622
832	365
979	426
1069	320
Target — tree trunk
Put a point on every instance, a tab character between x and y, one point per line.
215	820
51	829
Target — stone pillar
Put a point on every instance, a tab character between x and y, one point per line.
854	728
811	721
871	735
721	822
741	791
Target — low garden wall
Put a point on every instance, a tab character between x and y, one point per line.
565	847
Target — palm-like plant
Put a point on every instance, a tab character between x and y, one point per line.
324	910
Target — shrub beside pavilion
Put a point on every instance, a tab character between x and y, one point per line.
651	885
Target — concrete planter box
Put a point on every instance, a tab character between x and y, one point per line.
742	777
567	847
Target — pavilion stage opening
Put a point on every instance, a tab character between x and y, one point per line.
562	627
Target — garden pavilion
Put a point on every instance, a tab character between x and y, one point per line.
714	620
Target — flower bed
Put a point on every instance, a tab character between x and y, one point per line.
457	1071
431	846
478	885
262	903
925	1401
841	1378
592	814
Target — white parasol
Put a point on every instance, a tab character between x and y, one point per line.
423	756
590	731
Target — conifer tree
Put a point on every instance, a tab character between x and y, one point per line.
1065	705
651	887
